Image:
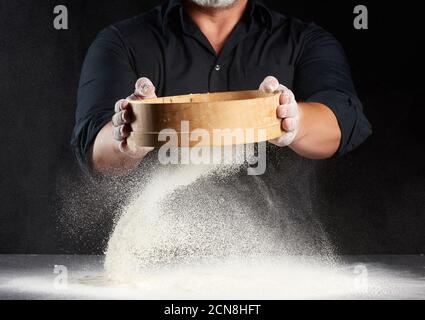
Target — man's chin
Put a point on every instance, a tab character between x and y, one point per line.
216	4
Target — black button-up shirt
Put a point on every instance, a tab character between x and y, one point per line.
166	46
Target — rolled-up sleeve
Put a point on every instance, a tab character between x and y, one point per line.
322	75
107	76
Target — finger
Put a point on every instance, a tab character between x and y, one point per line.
284	140
269	85
123	146
120	118
121	133
287	95
136	97
289	124
121	105
140	152
144	89
287	111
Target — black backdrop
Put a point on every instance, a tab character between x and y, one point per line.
372	201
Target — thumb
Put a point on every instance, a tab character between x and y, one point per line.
144	89
269	85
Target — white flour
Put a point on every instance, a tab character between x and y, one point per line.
171	224
176	241
142	236
284	278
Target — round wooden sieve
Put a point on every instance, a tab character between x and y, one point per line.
206	119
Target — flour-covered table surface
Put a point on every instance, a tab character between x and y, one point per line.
83	277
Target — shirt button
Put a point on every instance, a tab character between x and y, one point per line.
217	67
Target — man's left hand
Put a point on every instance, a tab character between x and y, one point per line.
288	111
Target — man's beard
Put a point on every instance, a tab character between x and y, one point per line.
217	4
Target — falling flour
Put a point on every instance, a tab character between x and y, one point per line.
195	232
180	217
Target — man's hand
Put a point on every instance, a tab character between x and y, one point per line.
110	154
288	111
311	129
144	89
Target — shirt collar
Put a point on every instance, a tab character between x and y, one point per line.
256	9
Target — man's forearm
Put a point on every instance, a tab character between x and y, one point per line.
320	135
106	157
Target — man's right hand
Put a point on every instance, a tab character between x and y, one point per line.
110	154
144	89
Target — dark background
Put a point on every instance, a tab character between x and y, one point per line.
372	201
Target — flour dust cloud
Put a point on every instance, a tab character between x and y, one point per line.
187	216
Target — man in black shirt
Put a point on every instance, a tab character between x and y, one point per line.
199	46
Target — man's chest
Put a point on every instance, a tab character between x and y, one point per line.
187	66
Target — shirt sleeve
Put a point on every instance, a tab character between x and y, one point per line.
323	75
107	76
